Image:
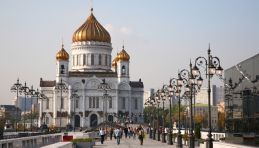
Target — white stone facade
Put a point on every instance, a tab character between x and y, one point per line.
90	63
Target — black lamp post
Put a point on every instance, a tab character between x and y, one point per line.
212	65
104	87
148	103
25	91
153	103
31	92
175	89
157	98
162	96
16	88
74	96
62	87
166	93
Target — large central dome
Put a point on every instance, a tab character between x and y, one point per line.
91	30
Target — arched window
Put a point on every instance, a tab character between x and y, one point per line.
100	59
92	59
123	103
123	70
47	103
62	103
62	69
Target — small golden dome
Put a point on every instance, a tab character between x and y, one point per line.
91	30
62	54
114	62
123	55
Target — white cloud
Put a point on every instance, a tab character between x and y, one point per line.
125	30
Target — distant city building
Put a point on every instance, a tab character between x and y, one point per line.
20	103
10	113
147	95
202	110
242	101
217	95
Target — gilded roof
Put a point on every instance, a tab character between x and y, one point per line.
62	54
123	55
91	30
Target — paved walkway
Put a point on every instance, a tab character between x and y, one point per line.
131	143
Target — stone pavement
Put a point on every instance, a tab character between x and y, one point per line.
131	143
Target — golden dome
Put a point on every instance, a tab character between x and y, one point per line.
91	30
62	54
123	55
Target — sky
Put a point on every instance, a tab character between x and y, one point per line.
160	36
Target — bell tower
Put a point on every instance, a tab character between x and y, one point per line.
62	61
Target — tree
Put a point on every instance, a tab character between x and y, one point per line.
221	121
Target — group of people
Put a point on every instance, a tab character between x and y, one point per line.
129	132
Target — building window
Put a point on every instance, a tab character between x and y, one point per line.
97	102
106	60
123	70
47	103
123	103
100	59
90	102
92	59
62	102
77	103
84	59
110	103
62	69
136	103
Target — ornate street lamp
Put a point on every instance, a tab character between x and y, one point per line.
25	91
163	97
167	94
31	93
74	96
213	67
175	90
157	98
61	86
16	88
104	87
148	103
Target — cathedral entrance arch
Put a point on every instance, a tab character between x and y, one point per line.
77	121
110	118
93	120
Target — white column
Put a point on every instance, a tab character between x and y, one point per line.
54	108
83	108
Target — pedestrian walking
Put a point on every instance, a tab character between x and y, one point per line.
117	135
111	133
126	132
141	135
102	134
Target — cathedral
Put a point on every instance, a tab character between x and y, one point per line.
74	98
